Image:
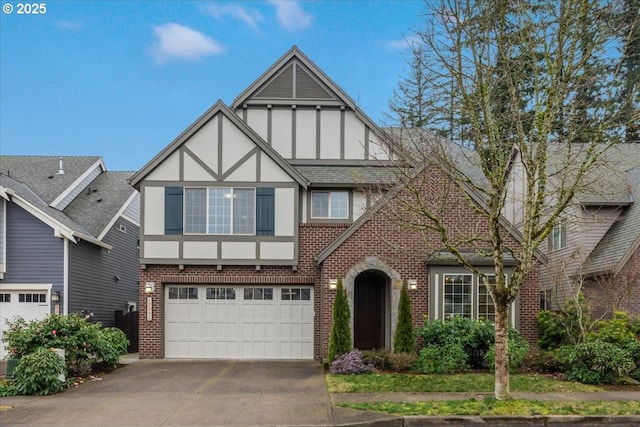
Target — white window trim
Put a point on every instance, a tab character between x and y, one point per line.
330	192
561	226
206	233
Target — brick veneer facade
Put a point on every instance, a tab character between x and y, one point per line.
380	243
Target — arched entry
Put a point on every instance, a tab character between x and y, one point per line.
369	301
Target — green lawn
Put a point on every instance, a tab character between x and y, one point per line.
475	382
507	407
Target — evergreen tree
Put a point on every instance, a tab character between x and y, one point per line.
404	339
630	38
340	340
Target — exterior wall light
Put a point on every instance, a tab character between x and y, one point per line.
333	283
55	297
412	284
149	287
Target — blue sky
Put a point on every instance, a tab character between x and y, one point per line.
121	79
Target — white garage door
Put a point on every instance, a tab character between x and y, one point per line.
239	322
29	304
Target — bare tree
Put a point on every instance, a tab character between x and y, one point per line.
514	74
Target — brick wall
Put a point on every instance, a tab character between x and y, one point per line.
402	250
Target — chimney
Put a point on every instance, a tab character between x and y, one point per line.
60	167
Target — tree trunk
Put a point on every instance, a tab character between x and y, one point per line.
502	352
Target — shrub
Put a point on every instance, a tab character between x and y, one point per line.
547	361
401	362
82	341
112	345
595	362
445	359
340	340
475	336
404	338
551	329
350	363
616	331
633	350
518	348
37	373
378	358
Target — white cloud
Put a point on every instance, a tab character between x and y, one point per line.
402	44
175	41
290	15
250	17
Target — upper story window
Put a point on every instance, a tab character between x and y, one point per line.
558	236
219	210
330	204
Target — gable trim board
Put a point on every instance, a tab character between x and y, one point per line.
58	200
118	214
59	229
217	108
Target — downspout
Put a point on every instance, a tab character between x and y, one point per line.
65	279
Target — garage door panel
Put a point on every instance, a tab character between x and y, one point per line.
239	322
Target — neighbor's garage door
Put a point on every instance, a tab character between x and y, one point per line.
243	322
28	304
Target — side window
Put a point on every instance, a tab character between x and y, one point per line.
558	236
330	204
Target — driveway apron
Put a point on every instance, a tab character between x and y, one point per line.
181	392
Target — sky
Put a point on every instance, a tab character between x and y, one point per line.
122	79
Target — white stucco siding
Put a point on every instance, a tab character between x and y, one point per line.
284	211
258	120
153	211
359	204
281	136
204	144
235	144
270	171
377	150
169	250
305	134
238	250
330	134
353	137
246	172
193	171
277	250
168	170
200	250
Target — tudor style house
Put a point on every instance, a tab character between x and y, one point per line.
253	213
68	239
595	246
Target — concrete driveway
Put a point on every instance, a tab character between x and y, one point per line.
188	393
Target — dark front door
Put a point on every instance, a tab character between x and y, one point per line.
368	311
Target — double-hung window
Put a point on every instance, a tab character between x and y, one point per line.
330	204
220	210
558	236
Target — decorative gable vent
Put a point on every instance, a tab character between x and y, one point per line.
294	82
280	87
307	87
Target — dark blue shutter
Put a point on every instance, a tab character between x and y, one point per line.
265	211
173	210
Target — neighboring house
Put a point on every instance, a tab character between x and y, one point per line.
68	238
253	213
594	247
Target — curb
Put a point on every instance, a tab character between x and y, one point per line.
534	420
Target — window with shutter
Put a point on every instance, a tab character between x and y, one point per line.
173	210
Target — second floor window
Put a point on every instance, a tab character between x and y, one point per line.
330	204
558	236
220	210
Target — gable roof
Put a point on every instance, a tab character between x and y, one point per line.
295	79
95	207
33	183
464	161
221	108
40	173
622	239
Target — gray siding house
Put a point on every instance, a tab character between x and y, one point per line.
68	239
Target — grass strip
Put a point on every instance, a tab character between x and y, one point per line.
490	406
